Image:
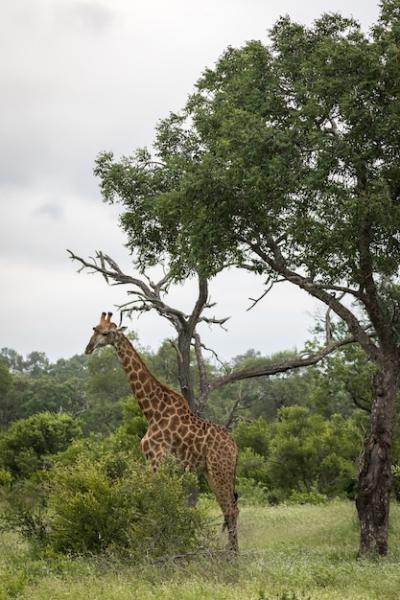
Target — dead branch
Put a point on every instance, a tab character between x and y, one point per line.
147	295
270	252
215	355
233	412
268	369
328	321
270	285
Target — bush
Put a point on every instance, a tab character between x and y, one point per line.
251	492
5	477
93	508
252	465
311	497
396	481
106	501
255	435
307	450
27	442
24	506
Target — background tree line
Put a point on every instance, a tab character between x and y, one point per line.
300	433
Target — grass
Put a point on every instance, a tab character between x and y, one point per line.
287	553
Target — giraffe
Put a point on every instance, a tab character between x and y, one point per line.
197	444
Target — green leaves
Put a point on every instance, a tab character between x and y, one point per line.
26	444
292	138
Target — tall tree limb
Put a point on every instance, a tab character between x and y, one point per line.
267	369
273	257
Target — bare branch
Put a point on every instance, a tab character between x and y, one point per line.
214	321
270	285
217	358
148	294
232	414
338	288
199	305
267	369
328	322
328	326
273	258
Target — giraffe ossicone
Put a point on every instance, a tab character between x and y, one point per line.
197	444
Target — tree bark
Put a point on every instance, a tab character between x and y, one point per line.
184	375
374	481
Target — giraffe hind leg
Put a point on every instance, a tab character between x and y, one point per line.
225	524
221	482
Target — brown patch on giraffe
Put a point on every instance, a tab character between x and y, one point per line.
174	422
167	435
145	403
147	387
182	430
142	376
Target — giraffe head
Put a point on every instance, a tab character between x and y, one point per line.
104	334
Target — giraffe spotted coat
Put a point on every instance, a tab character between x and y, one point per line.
198	444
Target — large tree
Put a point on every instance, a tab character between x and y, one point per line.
285	161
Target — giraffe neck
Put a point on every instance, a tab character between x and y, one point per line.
154	398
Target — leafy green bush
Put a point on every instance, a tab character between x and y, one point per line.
23	504
301	452
134	424
251	492
27	442
252	466
309	497
98	498
255	435
93	508
307	450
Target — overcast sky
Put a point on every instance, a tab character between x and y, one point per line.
79	77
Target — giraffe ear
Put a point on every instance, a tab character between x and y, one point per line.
122	329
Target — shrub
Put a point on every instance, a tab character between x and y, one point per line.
107	503
27	442
251	492
310	497
254	435
306	450
124	506
5	477
24	508
252	465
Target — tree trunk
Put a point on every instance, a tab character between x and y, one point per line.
374	481
184	375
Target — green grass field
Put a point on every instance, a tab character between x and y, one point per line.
287	553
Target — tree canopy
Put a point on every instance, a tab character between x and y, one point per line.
296	140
